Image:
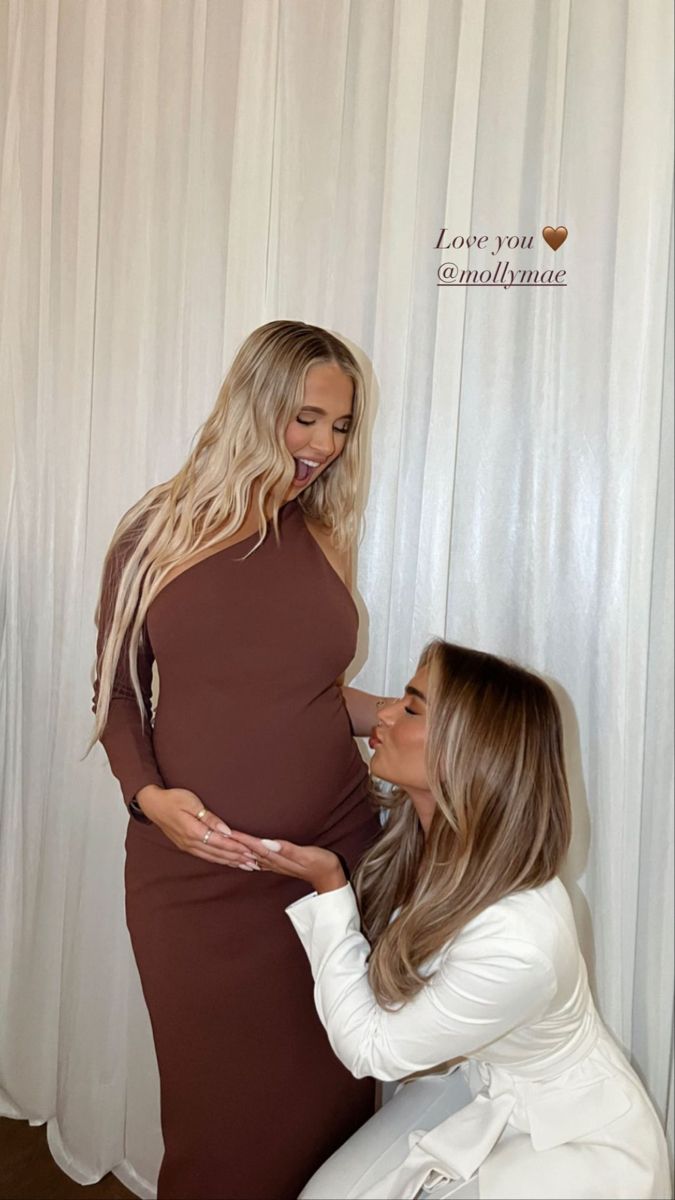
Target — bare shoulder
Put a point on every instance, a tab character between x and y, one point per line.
341	561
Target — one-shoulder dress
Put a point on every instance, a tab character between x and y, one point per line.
250	718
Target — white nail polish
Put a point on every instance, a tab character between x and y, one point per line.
271	844
244	867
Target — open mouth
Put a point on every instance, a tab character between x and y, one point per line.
305	468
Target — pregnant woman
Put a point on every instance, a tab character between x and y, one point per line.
463	945
234	577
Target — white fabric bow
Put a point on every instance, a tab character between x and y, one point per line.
452	1150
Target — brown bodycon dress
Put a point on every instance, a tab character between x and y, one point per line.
251	719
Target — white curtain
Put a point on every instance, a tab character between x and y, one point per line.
175	173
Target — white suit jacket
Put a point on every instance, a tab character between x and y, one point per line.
557	1110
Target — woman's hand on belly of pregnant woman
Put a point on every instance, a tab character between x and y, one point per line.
182	818
321	868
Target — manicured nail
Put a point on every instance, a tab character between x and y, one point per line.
223	828
246	867
271	844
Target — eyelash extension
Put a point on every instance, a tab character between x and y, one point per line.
411	711
300	422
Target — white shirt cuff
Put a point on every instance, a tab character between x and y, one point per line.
337	908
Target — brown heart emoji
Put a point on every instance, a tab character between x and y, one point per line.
554	237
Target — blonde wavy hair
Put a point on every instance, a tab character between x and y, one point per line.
502	822
207	500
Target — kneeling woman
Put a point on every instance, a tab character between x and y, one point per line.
457	940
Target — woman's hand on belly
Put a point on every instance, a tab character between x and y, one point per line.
185	821
321	868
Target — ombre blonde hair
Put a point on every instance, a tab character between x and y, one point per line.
502	822
241	441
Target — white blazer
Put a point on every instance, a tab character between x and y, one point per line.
557	1110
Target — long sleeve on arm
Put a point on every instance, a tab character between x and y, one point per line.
484	987
127	743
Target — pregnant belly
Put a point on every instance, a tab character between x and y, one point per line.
287	772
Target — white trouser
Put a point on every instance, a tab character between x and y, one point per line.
382	1143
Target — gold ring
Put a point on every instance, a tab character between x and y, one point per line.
207	835
200	814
